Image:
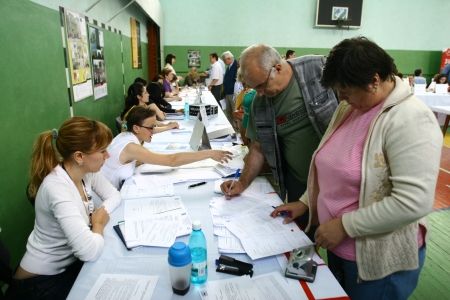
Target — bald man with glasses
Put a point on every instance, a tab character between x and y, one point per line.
288	118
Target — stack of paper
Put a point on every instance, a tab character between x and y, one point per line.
155	221
142	186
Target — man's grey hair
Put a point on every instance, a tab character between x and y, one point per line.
265	56
227	54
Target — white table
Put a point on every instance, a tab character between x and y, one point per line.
153	261
440	104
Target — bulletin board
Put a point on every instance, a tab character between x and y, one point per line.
339	13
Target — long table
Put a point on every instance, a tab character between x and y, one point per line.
116	259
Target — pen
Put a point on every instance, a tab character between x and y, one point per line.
236	175
282	213
196	184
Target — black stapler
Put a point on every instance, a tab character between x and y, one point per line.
229	265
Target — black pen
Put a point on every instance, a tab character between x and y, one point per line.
196	184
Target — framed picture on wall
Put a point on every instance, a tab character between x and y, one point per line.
96	43
193	57
136	58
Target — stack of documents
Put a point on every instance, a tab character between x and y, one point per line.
237	162
155	221
142	186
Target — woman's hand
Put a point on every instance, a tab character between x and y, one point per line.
291	211
220	155
173	125
99	219
330	234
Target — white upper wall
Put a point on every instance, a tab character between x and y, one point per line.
106	9
393	24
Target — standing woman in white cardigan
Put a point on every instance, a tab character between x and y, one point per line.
372	178
68	229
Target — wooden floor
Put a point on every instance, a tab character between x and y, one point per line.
434	282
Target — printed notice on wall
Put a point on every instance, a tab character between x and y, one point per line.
98	62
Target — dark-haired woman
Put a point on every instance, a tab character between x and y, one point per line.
372	178
154	89
126	149
68	228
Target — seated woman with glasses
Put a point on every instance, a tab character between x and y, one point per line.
127	150
68	228
138	96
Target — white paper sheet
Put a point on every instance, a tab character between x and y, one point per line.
143	208
144	186
123	286
267	286
150	232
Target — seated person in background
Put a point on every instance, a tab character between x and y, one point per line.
138	96
437	79
170	94
192	78
418	78
126	149
154	89
68	228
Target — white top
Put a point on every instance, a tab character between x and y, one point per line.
61	230
169	66
113	169
216	73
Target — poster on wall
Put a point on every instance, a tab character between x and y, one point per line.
98	62
136	58
78	54
193	58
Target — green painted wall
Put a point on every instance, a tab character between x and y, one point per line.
33	98
427	60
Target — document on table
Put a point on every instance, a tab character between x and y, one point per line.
123	286
267	286
143	208
262	236
150	232
144	186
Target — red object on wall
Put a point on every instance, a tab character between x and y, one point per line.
445	59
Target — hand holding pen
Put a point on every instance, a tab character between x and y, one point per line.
289	211
232	187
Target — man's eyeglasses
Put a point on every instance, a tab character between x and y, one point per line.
263	86
148	127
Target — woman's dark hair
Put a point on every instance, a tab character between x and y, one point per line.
417	72
137	115
289	53
135	90
155	90
354	62
214	54
169	58
141	80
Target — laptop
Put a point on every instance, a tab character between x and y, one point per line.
199	138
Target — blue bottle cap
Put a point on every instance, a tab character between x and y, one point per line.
179	254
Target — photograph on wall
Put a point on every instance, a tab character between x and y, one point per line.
193	58
78	55
136	58
98	62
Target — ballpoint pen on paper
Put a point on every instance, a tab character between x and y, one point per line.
236	175
283	213
197	184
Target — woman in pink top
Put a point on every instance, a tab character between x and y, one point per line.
372	178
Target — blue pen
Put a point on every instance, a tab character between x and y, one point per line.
236	175
282	213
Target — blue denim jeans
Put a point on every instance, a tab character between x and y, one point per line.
398	286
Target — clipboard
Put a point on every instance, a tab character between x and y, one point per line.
119	233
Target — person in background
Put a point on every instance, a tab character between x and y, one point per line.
446	71
437	79
373	177
228	84
193	77
243	106
418	78
287	118
170	92
215	77
127	150
138	96
156	97
290	54
68	228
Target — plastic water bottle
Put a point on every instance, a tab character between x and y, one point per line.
197	244
186	110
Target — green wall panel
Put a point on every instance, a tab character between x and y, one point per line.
34	98
406	61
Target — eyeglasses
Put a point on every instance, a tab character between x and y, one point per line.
263	86
148	127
